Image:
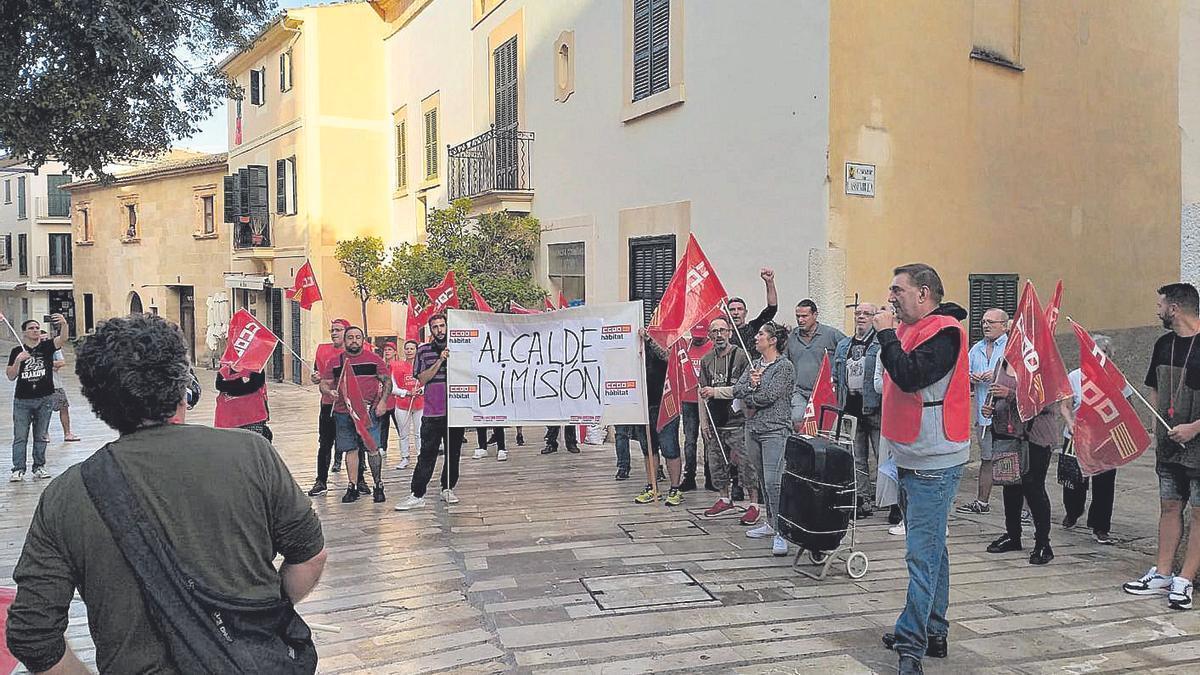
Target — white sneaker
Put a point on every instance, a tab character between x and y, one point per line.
480	453
41	473
779	546
761	532
403	464
1152	583
411	502
448	496
1180	596
16	477
502	456
898	530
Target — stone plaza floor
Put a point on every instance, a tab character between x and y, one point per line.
547	565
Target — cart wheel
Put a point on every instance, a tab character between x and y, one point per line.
817	557
856	565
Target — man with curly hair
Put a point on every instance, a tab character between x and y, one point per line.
222	498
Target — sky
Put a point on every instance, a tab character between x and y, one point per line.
212	136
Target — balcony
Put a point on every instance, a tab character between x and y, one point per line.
51	272
53	207
252	237
493	170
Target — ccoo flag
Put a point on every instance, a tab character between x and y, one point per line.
822	395
444	294
1031	351
305	290
1107	433
1052	309
349	391
249	343
481	305
693	291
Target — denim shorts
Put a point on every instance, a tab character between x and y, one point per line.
668	440
1175	485
346	437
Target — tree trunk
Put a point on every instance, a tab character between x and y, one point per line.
364	318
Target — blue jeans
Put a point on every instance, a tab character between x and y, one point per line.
28	412
346	437
925	497
770	446
625	432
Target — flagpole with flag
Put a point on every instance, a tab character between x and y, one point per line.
1113	371
692	293
305	290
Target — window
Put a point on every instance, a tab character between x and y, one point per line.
60	255
21	198
564	66
58	200
431	141
258	86
209	214
23	255
285	186
651	264
131	227
988	291
651	47
401	153
7	251
7	190
566	267
85	225
285	71
89	317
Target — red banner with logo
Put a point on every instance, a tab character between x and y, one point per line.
693	291
1052	310
352	395
414	320
481	305
1031	351
822	395
249	343
305	290
444	294
1107	433
671	404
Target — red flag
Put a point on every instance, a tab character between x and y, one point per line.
693	291
1053	308
481	305
1031	351
8	663
249	343
352	395
516	308
671	404
305	289
444	294
822	395
562	301
549	305
1107	432
691	373
414	320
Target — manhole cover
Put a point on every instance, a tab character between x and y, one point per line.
645	590
662	529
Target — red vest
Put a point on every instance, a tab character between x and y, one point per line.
238	411
902	411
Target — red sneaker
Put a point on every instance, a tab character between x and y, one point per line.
751	516
717	509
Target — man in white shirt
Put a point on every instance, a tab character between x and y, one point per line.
984	356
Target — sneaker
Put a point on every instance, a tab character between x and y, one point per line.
378	497
1103	538
674	497
16	477
549	449
761	532
623	473
661	475
779	546
898	530
318	488
501	455
975	506
935	647
717	509
1069	521
751	516
403	464
350	496
411	502
1026	517
1152	583
1042	554
1004	544
1180	596
449	497
337	467
41	473
573	449
648	495
362	488
480	453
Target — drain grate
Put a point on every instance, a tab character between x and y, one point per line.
662	529
646	590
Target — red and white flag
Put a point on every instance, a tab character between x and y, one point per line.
549	305
481	305
414	320
562	301
444	294
1108	433
249	343
1052	309
822	395
516	308
1031	351
672	402
693	291
305	290
352	395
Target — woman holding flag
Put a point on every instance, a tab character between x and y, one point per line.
242	401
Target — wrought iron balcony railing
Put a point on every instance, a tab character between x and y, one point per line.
252	232
495	161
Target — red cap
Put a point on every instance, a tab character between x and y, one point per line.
389	344
341	322
699	331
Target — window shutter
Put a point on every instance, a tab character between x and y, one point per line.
255	88
233	198
294	182
283	72
431	156
402	154
258	192
505	63
660	45
281	186
988	291
641	49
651	264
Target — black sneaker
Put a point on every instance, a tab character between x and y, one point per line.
549	449
379	498
935	645
623	474
1004	544
337	466
350	496
573	449
520	437
318	488
1069	521
1042	554
1103	538
362	488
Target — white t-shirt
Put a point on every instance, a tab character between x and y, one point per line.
58	356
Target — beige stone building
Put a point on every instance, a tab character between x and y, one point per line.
152	241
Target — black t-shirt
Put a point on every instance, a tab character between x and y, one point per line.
1175	375
36	378
749	329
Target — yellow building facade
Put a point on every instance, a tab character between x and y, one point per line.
152	241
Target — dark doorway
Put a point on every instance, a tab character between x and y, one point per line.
187	319
63	302
135	303
277	328
297	364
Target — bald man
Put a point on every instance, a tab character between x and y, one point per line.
854	365
983	358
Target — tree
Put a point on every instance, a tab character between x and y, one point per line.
92	82
362	259
494	251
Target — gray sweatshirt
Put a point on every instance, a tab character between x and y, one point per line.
771	400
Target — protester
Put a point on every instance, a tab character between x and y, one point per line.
1037	438
984	358
242	401
807	345
431	372
926	428
481	435
1075	484
765	390
326	430
668	436
748	329
690	412
407	400
625	432
853	379
30	365
390	358
887	483
1174	378
60	403
725	435
245	510
373	381
552	440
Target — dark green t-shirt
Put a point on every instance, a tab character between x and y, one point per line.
225	502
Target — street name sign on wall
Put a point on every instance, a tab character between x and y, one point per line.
860	179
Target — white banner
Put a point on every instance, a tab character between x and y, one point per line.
581	365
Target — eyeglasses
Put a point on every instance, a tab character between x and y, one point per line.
990	322
718	330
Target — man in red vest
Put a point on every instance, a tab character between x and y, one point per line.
926	426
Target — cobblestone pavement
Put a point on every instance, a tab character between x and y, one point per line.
548	566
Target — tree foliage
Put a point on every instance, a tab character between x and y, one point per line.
495	251
90	82
362	260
